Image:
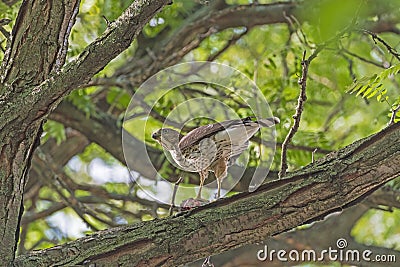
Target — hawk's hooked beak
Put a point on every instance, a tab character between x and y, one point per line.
156	135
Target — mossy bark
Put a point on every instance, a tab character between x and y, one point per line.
34	80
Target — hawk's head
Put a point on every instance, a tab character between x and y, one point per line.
168	138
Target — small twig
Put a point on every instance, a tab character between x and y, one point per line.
295	26
1	46
107	21
350	66
361	58
390	49
305	63
230	42
312	155
171	208
58	186
4	22
284	52
151	54
394	112
207	262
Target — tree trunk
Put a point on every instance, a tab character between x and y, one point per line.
33	84
29	60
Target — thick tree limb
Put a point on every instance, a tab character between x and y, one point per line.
324	235
335	182
202	24
38	46
321	235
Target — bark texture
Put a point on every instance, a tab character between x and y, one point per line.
37	49
337	181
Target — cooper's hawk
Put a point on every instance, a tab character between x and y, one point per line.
210	147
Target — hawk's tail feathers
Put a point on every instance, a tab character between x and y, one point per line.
268	122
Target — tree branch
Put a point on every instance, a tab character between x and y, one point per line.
390	49
202	24
337	181
321	235
305	63
393	116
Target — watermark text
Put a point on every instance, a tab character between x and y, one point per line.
340	253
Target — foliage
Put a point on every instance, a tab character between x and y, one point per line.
53	129
82	100
365	231
368	87
6	13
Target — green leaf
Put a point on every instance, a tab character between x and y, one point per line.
54	129
369	86
82	100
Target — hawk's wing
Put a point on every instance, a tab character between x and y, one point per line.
206	131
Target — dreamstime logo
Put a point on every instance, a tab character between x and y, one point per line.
340	253
182	96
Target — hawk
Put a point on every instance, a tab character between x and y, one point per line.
211	147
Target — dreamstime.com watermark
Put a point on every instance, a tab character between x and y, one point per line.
340	253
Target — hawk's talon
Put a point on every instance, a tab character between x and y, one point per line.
192	203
